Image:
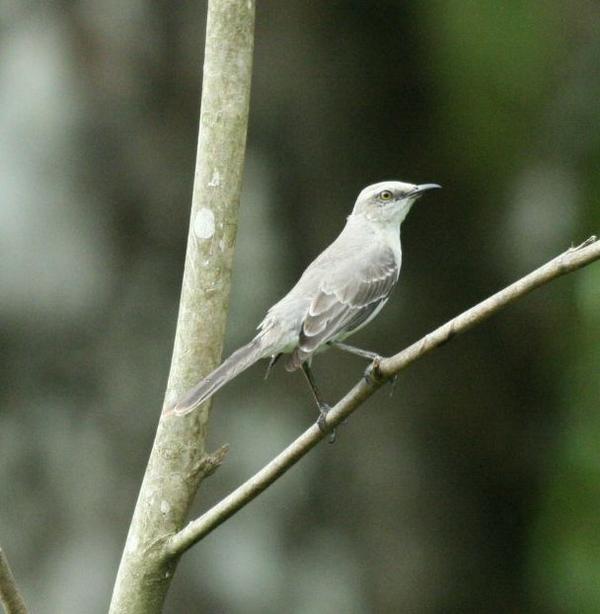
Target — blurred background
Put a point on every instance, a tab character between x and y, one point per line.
476	487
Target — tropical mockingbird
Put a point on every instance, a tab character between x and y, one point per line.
343	289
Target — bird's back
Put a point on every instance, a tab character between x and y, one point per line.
347	280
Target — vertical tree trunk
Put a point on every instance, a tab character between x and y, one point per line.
10	596
178	461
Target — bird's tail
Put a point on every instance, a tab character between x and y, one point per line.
239	361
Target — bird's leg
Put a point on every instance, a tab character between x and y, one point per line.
372	356
323	407
371	371
271	364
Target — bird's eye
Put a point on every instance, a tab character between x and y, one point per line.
385	195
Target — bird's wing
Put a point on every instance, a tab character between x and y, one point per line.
346	297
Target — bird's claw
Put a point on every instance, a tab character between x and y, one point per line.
322	421
372	375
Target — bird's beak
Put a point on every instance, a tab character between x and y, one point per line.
424	187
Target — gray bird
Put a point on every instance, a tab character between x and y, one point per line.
343	289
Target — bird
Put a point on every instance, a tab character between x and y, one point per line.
341	291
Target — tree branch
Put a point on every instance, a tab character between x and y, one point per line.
10	596
179	461
569	261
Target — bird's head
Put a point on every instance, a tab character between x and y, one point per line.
389	201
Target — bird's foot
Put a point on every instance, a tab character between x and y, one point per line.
322	421
372	375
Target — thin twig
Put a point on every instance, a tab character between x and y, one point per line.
10	596
571	260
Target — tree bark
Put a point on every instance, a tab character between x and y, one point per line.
179	461
10	596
